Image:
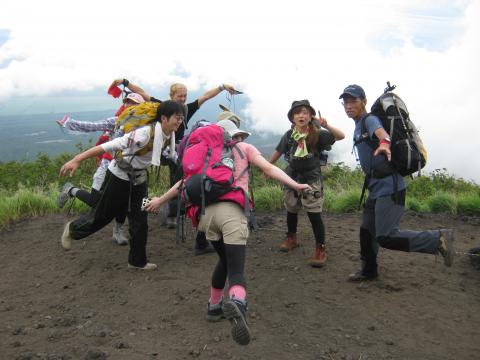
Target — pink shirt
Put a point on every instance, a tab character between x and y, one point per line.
249	153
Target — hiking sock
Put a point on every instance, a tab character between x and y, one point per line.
216	295
73	191
317	226
292	221
237	292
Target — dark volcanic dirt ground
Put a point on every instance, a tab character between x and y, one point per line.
86	304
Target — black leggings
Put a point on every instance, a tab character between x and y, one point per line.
91	199
231	263
316	221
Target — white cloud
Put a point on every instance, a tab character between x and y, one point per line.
274	53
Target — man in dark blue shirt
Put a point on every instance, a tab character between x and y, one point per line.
385	203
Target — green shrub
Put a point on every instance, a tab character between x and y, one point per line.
442	203
268	198
469	205
24	203
421	188
328	200
346	202
413	204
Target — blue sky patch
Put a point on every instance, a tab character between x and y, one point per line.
436	27
4	36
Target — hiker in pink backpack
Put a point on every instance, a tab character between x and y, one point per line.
215	190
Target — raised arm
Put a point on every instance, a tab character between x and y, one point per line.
135	88
214	92
70	124
336	132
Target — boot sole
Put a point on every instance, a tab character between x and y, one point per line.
119	243
66	240
285	250
214	318
240	330
448	260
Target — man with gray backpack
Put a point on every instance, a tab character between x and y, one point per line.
388	147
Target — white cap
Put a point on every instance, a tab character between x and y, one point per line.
232	129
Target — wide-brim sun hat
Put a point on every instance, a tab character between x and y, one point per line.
227	114
297	104
232	129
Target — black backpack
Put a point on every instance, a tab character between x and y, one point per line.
408	153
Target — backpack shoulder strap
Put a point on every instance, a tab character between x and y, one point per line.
364	135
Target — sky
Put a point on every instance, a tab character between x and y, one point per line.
274	52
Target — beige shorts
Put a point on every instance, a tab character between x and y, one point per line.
295	202
227	220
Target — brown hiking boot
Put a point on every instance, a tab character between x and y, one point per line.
319	257
289	243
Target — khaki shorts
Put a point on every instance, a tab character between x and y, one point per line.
295	202
227	220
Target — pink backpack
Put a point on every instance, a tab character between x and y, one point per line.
208	165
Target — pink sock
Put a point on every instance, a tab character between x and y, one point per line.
216	296
237	292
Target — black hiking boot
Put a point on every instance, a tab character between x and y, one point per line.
215	312
234	311
361	275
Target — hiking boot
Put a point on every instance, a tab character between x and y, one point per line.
119	237
64	195
445	246
147	266
360	276
171	222
234	311
204	250
66	239
215	312
319	257
289	243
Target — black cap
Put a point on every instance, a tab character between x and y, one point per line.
355	91
297	104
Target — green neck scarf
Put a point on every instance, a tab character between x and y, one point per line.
300	137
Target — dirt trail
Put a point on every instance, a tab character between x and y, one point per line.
85	304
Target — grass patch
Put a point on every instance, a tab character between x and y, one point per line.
346	202
24	203
469	205
268	198
442	203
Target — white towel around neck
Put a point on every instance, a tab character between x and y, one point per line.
158	144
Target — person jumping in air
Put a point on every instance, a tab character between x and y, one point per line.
70	191
125	185
385	203
226	227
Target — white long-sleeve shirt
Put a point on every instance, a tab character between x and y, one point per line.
129	144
